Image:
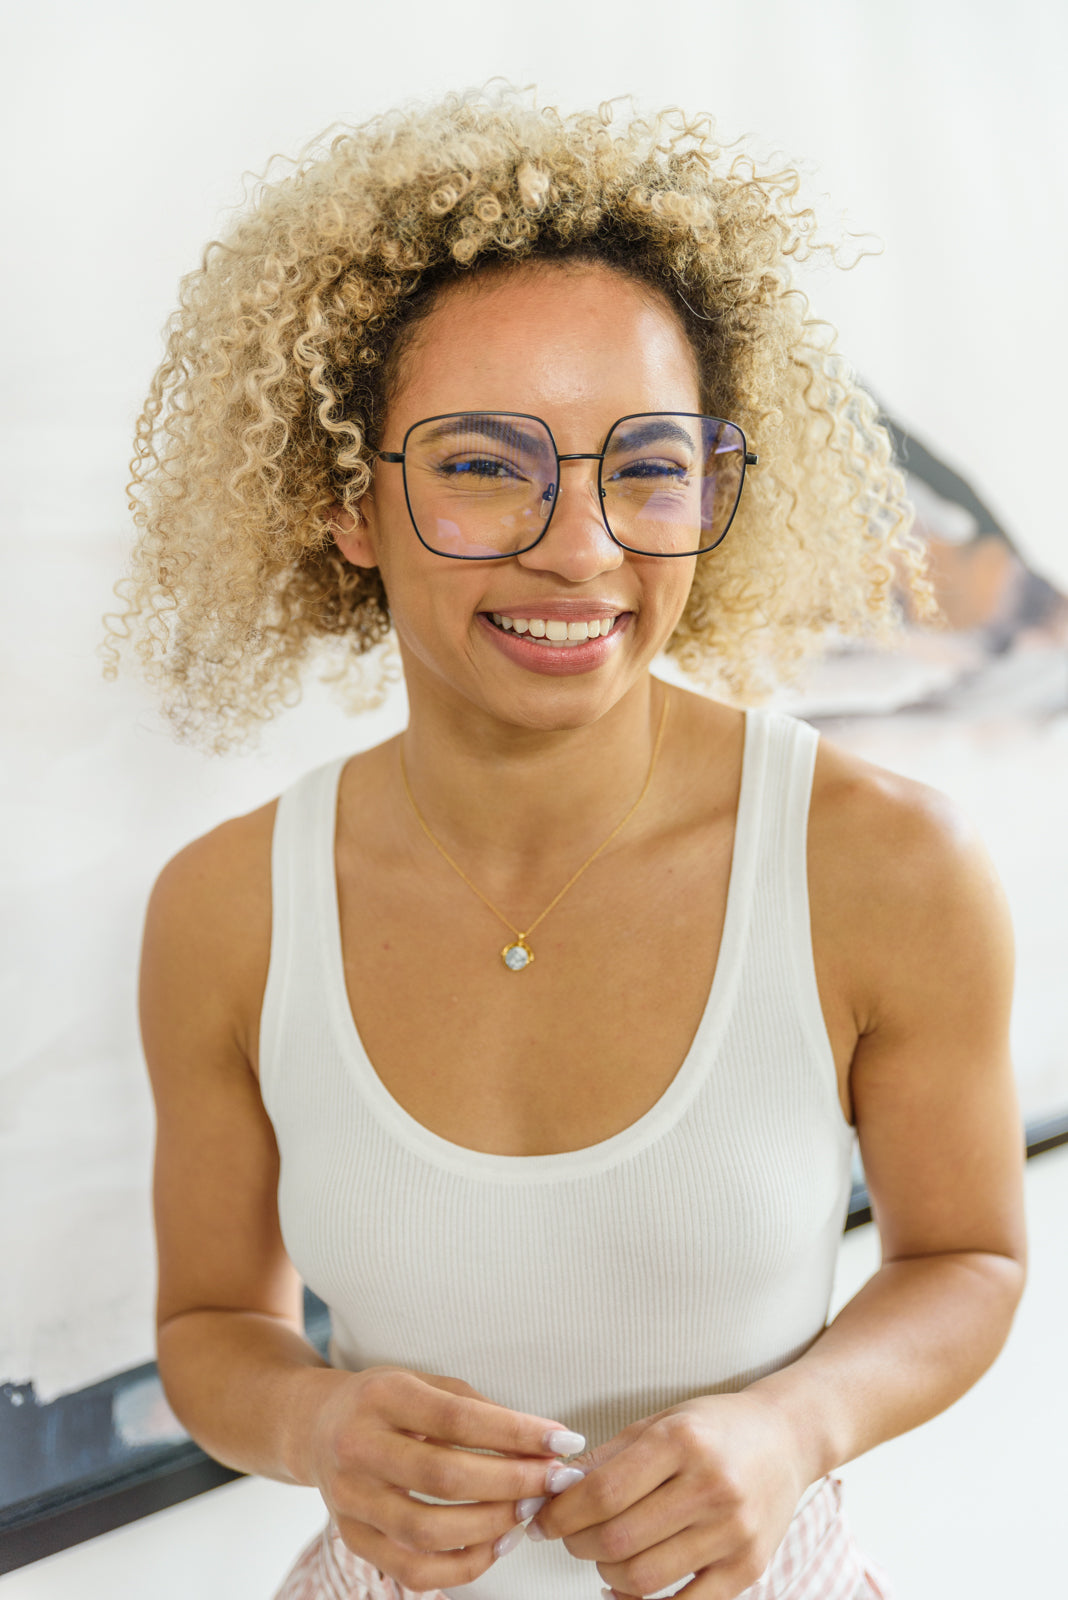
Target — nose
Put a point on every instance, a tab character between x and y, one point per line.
576	545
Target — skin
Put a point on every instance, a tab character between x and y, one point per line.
521	774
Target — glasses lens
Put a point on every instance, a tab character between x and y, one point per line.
480	483
671	482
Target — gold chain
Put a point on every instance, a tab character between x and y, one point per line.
516	964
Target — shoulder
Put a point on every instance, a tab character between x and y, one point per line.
214	875
208	923
902	886
882	817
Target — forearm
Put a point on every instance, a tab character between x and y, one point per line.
914	1339
247	1387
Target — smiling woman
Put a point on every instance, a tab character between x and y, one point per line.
536	394
269	407
558	513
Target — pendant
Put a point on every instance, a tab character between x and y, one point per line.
518	955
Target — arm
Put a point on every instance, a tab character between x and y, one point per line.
233	1359
915	942
232	1356
939	1128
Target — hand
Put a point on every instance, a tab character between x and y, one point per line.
708	1487
384	1432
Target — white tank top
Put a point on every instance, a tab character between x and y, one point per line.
690	1254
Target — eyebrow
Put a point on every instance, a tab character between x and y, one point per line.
652	431
490	427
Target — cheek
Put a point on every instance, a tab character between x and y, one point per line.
686	583
667	591
432	606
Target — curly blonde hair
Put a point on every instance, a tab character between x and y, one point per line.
265	413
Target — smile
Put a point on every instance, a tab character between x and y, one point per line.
554	631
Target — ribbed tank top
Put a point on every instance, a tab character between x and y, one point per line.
690	1254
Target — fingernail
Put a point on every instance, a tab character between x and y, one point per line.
562	1478
508	1541
562	1442
529	1508
608	1594
534	1532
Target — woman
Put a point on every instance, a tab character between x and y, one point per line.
633	967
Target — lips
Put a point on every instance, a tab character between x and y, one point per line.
558	657
555	630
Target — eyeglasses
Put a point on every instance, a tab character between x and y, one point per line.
484	484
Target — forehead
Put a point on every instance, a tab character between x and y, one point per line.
547	336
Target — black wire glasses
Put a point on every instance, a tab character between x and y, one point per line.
483	484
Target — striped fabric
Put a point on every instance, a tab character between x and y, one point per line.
817	1560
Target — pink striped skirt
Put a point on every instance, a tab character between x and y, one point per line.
817	1560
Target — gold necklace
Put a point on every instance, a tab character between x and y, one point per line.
518	955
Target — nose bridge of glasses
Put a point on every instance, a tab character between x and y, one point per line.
592	481
576	516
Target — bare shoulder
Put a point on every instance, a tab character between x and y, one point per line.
902	871
884	817
209	919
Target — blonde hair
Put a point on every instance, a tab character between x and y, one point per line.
265	412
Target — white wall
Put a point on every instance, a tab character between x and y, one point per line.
937	126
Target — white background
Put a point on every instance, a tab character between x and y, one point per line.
938	127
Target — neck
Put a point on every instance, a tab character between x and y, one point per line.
516	800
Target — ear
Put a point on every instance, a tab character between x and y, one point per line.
354	535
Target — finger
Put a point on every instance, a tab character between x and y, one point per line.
445	1472
670	1510
682	1556
608	1489
439	1380
724	1580
441	1413
418	1526
420	1570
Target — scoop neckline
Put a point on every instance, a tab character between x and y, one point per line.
654	1123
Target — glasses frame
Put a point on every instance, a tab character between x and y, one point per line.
398	458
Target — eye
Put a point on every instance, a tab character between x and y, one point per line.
477	467
652	468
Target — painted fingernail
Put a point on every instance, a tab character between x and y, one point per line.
508	1541
534	1532
529	1508
562	1442
562	1478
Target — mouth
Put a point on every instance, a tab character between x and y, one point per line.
554	632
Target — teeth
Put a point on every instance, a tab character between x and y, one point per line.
553	630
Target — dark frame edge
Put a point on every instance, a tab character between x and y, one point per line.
104	1507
